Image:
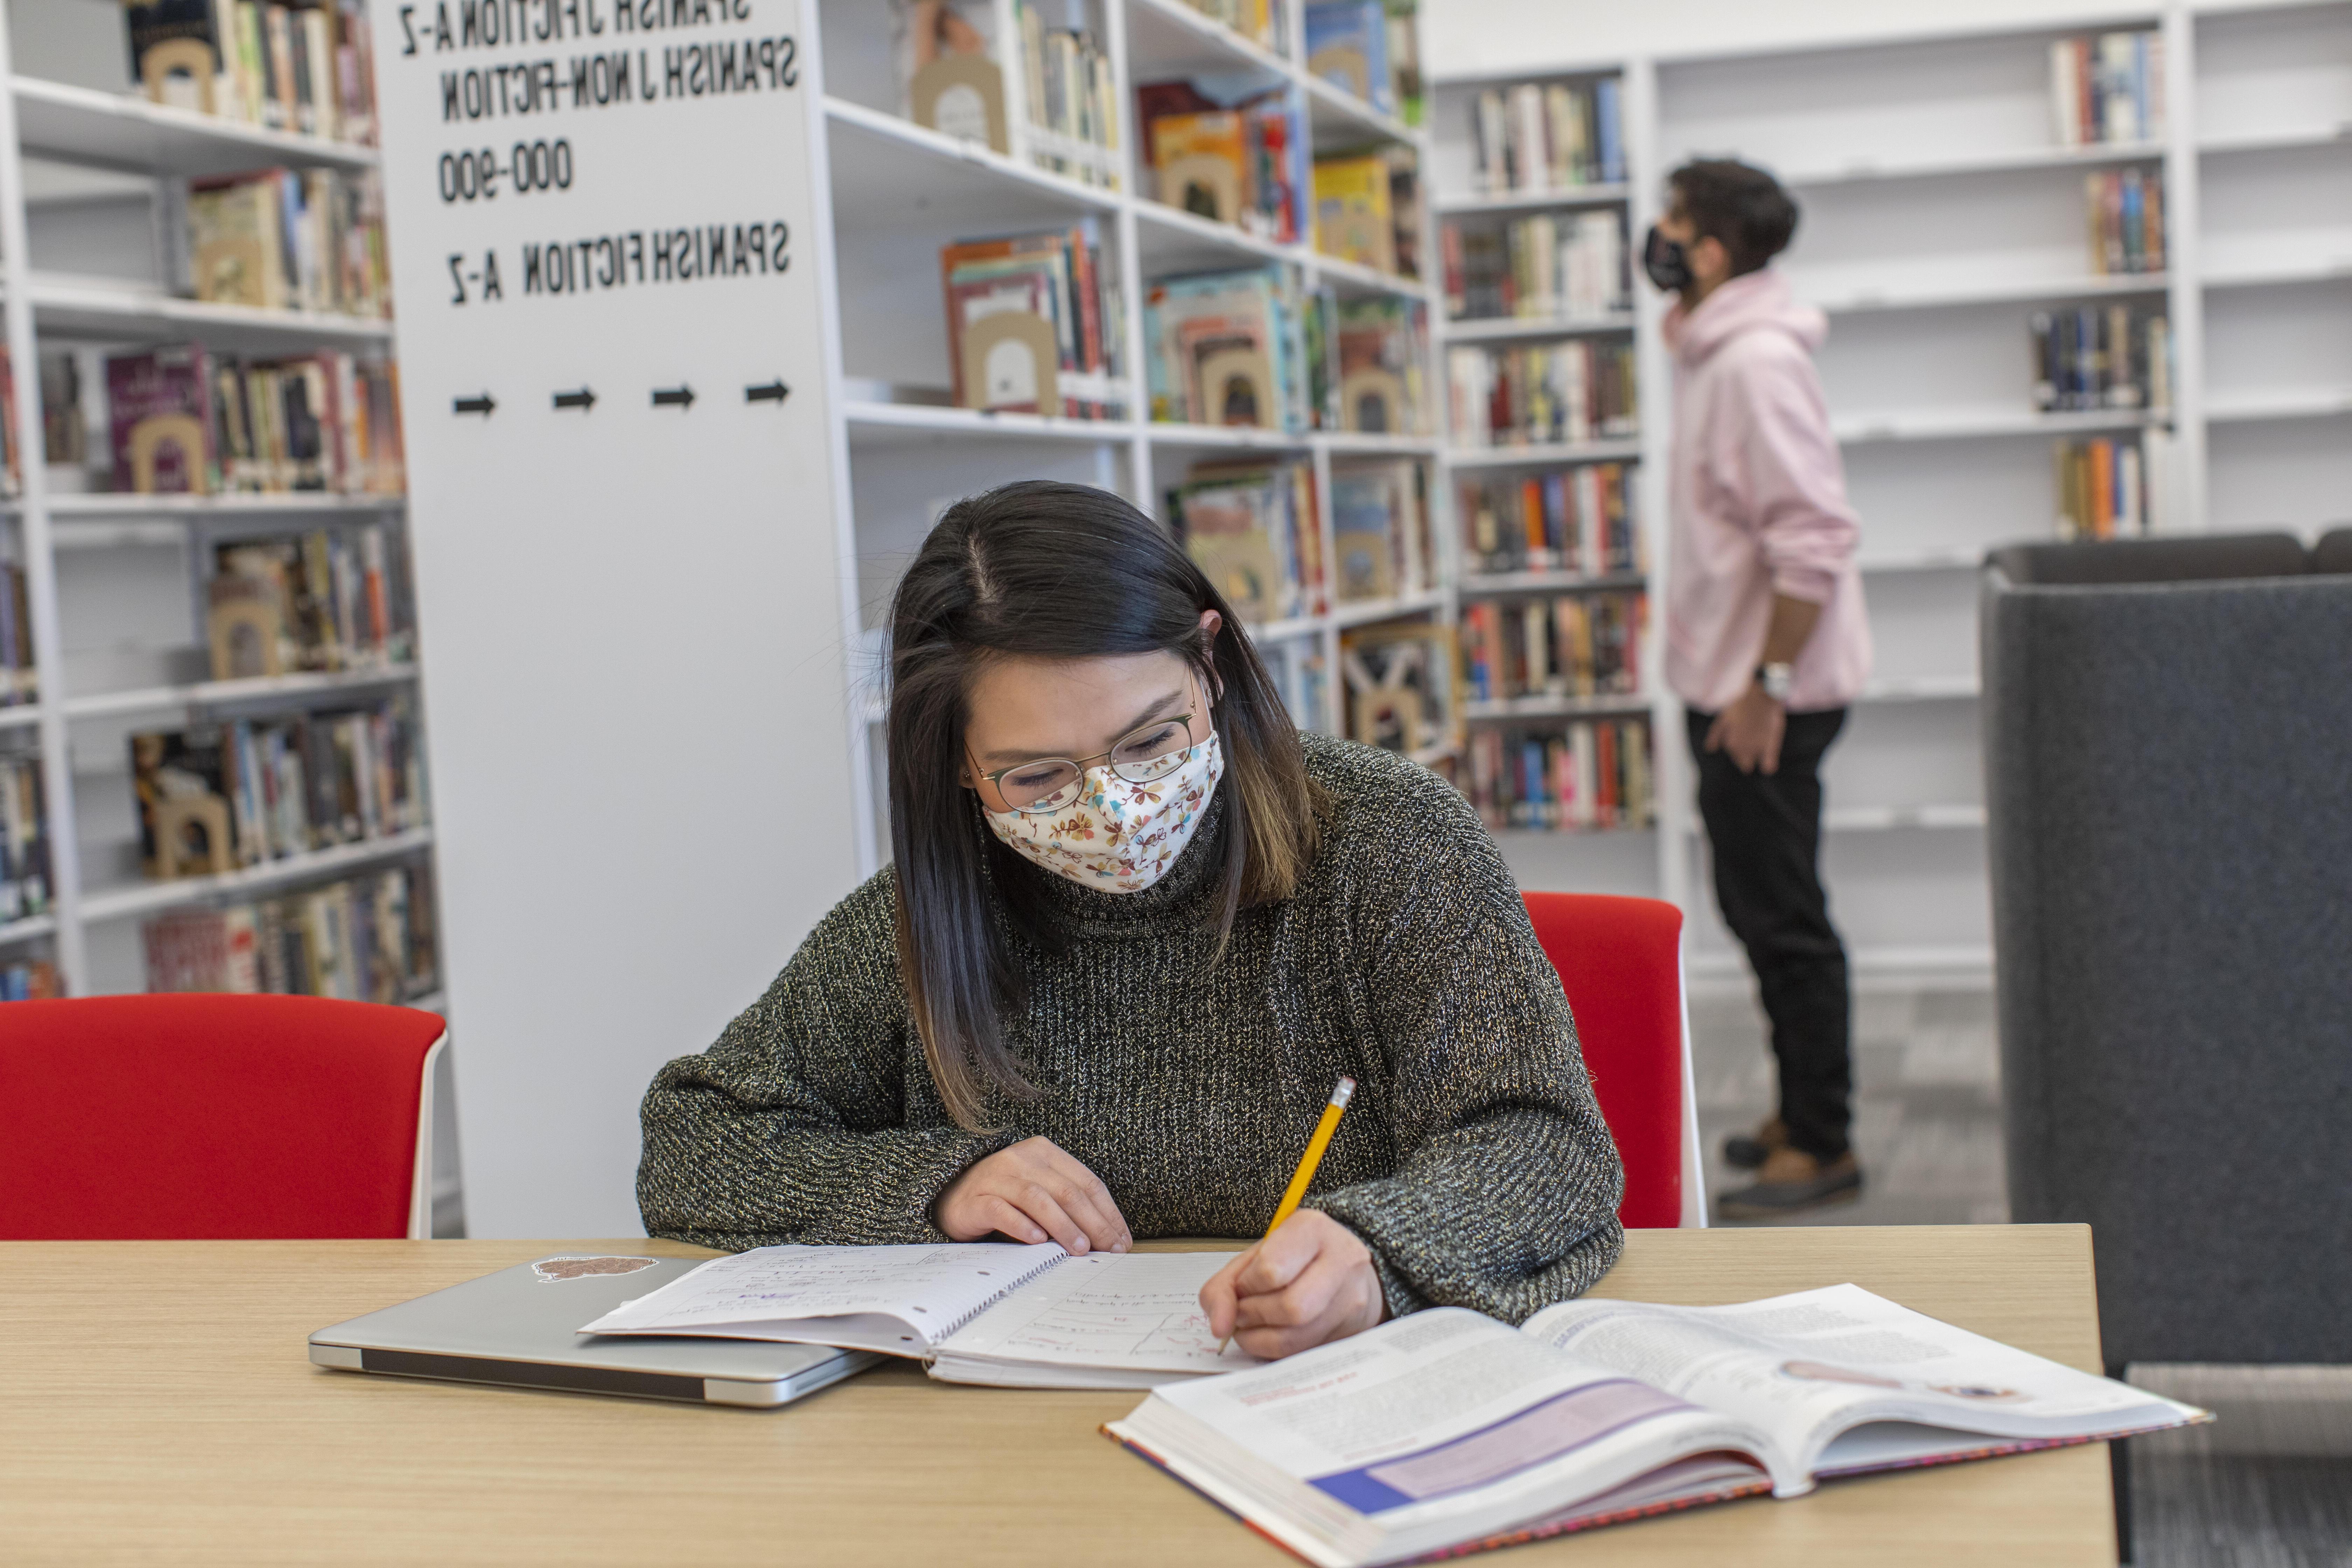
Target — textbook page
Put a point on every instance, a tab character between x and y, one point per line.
1424	1432
900	1301
1807	1367
1138	1312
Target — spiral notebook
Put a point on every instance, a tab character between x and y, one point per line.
986	1313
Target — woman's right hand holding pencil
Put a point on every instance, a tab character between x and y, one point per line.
1311	1281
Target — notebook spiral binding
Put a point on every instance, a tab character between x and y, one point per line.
943	1335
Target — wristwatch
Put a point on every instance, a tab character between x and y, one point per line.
1777	680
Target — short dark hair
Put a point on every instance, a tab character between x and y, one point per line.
1053	571
1740	206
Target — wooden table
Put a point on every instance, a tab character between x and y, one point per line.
156	1405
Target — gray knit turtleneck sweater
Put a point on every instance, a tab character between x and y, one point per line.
1474	1161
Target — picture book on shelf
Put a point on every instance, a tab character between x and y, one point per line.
1382	343
1227	348
1445	1431
1348	46
183	420
1352	217
979	1312
1382	543
1249	524
1031	322
1401	684
315	602
949	78
1236	161
309	69
286	239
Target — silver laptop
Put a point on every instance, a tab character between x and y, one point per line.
519	1327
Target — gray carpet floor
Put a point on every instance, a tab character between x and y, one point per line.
2269	1485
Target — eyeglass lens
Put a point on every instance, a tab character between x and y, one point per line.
1050	784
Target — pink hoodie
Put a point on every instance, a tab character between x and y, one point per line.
1756	500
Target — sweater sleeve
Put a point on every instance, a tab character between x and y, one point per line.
1505	1196
1794	478
794	1126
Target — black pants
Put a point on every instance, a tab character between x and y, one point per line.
1765	830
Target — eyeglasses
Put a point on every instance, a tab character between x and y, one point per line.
1049	783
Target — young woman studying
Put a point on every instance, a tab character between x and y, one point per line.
1135	927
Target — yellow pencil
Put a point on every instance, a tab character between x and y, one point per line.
1306	1164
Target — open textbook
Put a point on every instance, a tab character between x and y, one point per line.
994	1312
1447	1431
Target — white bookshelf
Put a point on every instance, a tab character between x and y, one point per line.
1938	209
112	579
900	193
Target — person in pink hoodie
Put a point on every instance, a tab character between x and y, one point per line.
1766	644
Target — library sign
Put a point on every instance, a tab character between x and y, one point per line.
600	215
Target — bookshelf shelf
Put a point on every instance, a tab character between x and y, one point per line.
1168	433
2296	403
1547	453
1887	818
1933	558
1171	240
1365	612
2279	272
106	130
1923	689
1497	583
1993	292
1555	198
888	171
1167	37
20	716
147	897
113	312
224	693
1513	329
1361	443
1353	278
287	503
977	425
2023	160
31	928
1338	118
1977	424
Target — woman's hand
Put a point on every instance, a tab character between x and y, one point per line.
1308	1283
1032	1192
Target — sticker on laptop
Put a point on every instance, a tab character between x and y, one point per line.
555	1270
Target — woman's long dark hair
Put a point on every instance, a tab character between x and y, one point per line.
1051	571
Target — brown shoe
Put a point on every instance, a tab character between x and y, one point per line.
1742	1152
1793	1182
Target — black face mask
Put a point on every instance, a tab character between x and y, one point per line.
1663	260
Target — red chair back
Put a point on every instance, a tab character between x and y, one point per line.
207	1117
1620	960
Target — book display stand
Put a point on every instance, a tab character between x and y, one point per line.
1943	209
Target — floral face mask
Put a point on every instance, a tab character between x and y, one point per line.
1118	837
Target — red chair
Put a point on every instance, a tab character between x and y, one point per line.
210	1117
1621	963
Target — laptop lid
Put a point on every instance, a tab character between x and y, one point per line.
520	1328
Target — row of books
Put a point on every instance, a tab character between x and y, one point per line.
186	420
1403	683
2102	487
1033	322
214	797
1072	98
364	938
1236	159
1234	348
1550	266
1251	525
951	78
1564	519
2125	212
29	980
1571	645
2118	356
1367	48
1567	392
2108	88
19	680
1592	774
1539	136
320	600
1381	541
23	840
291	239
307	67
1367	209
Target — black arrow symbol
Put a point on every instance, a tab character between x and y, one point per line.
673	398
774	392
481	405
583	398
